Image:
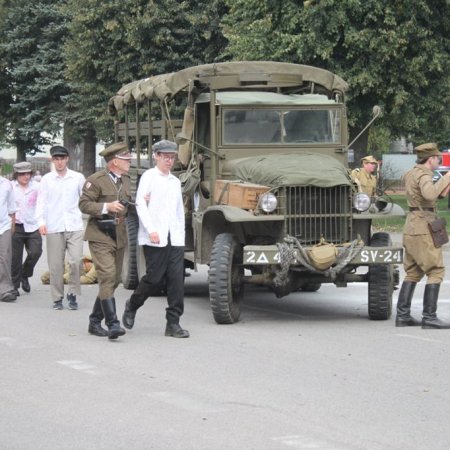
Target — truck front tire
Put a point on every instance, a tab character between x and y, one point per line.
226	273
381	282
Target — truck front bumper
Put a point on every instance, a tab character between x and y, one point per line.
270	254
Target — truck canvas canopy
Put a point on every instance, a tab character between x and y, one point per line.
261	74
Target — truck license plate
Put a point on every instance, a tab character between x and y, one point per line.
377	256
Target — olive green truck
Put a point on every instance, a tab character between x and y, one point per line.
263	161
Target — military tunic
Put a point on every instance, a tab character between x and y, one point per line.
107	253
421	256
366	181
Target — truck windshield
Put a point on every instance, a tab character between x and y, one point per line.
276	126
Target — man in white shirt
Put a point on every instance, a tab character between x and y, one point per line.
60	220
159	205
26	233
7	212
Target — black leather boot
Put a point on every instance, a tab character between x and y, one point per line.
109	311
430	298
128	316
404	318
95	320
174	330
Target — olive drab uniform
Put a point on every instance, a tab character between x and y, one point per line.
102	187
367	182
421	256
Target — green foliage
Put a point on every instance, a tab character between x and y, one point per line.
395	54
379	140
61	60
31	75
115	42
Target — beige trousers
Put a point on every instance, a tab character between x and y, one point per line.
422	258
66	246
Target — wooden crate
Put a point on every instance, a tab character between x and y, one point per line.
237	193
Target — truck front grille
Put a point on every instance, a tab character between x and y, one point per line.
315	212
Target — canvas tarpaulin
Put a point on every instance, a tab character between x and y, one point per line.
289	169
166	86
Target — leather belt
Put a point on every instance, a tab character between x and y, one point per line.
415	208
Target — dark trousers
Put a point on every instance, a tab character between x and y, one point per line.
162	263
32	242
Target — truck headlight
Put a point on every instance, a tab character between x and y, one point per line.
361	202
268	202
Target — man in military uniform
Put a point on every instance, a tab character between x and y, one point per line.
421	256
364	176
105	197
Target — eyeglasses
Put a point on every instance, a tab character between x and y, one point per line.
168	157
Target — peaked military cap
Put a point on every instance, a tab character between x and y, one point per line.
426	150
119	149
165	146
23	167
369	159
59	150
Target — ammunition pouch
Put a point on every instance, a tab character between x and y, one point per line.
438	230
107	225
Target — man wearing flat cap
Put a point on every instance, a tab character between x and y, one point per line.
421	256
364	176
105	199
60	220
159	205
26	234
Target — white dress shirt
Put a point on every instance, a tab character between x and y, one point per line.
7	204
164	211
26	198
57	202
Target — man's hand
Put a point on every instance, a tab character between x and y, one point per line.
115	207
43	230
154	238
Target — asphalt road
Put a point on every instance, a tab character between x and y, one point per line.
309	371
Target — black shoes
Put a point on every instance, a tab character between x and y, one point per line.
128	316
429	318
174	330
26	285
72	299
407	322
404	318
58	304
109	311
10	296
95	320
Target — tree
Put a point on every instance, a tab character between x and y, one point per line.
395	54
31	76
115	42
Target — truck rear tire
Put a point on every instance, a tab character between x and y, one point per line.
130	275
226	274
381	282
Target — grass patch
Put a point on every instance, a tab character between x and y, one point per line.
396	224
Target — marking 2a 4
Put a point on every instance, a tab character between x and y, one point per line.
257	255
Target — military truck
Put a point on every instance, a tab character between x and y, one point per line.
263	160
